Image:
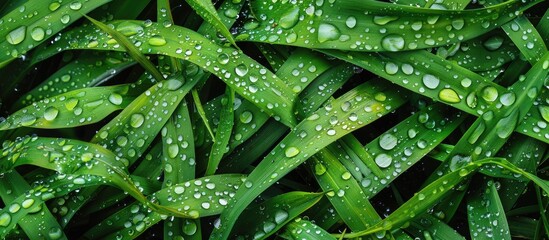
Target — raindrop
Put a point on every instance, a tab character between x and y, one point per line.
458	24
320	169
507	99
115	98
327	32
75	5
289	18
129	28
17	35
223	58
173	84
5	219
393	42
382	20
489	94
506	125
493	43
51	113
291	152
448	95
350	22
280	216
241	70
391	68
157	40
388	141
65	19
137	120
37	34
430	81
383	160
246	117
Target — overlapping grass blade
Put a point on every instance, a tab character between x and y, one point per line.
75	108
207	11
198	198
223	132
237	70
22	34
262	220
303	229
354	109
376	26
487	218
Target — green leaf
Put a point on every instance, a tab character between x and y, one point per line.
206	10
486	215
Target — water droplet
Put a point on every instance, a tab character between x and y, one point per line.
173	84
137	120
246	117
65	19
383	160
51	113
489	94
75	5
382	20
458	24
38	34
291	152
507	99
173	150
506	125
327	32
289	18
391	68
393	42
54	6
115	98
476	133
268	226
27	120
157	40
241	70
430	81
223	58
14	208
350	22
27	203
291	38
5	219
407	69
448	95
493	43
205	205
544	112
388	141
466	82
280	216
17	35
417	25
319	169
129	28
346	175
189	228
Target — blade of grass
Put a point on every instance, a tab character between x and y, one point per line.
223	132
486	215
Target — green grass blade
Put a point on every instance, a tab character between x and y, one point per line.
292	151
262	220
228	64
89	70
303	229
206	10
487	218
14	185
223	132
119	36
21	33
388	27
75	108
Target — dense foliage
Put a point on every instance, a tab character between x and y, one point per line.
256	119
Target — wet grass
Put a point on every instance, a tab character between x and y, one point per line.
274	119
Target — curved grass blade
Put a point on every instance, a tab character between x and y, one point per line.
487	219
235	69
353	110
428	226
487	52
199	197
223	132
89	70
13	185
202	113
376	26
343	191
207	11
21	33
120	38
262	220
470	92
75	108
303	229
